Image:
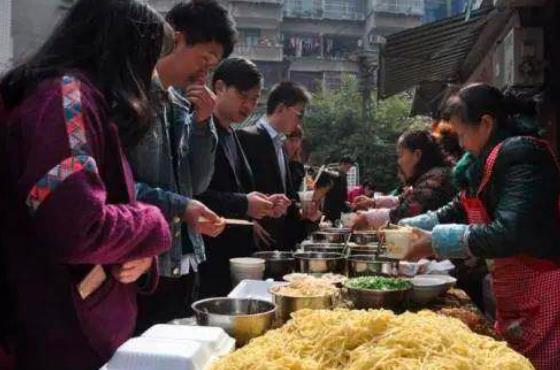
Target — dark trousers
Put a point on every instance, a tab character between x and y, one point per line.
171	300
215	279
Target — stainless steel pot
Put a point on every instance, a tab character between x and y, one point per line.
243	319
370	265
277	264
324	247
320	263
286	304
343	230
364	237
329	237
369	298
368	249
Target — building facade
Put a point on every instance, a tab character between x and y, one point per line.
6	42
316	42
313	42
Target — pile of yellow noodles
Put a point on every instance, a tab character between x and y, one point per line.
308	286
368	340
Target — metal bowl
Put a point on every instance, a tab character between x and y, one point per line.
364	237
370	265
244	319
320	263
277	264
329	237
324	247
337	230
287	304
367	249
369	298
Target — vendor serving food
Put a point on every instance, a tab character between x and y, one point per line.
508	210
424	168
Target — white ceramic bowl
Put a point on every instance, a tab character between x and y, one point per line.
449	280
427	288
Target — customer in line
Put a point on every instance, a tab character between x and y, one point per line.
74	237
175	161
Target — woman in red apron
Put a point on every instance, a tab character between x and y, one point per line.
508	211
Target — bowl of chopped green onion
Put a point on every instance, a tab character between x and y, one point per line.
378	292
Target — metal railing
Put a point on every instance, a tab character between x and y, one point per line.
326	9
399	6
257	52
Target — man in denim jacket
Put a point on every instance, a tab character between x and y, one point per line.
175	160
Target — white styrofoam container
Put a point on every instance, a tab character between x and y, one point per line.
256	289
144	353
214	341
172	347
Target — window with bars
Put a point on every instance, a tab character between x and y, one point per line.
344	9
399	6
249	36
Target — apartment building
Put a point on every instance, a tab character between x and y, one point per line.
6	48
314	42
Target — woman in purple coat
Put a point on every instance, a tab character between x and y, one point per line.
74	239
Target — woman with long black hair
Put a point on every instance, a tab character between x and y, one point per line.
426	174
74	238
508	211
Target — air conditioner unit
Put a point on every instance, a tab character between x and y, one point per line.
376	39
519	58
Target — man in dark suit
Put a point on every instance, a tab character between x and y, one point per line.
237	84
263	144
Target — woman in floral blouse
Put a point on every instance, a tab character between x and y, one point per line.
428	180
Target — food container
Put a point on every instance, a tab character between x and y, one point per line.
277	264
450	281
213	341
144	353
368	265
337	280
254	289
323	247
367	249
338	230
370	298
244	319
397	242
426	288
246	268
320	263
288	304
411	269
329	237
348	219
364	237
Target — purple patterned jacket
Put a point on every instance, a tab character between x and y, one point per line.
67	203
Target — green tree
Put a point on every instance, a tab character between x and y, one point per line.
335	127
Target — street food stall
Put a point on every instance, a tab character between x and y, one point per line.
327	307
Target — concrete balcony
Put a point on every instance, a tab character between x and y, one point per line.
260	53
277	2
406	7
323	65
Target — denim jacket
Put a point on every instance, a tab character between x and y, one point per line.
170	184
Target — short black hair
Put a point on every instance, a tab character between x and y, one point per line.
368	184
347	160
287	93
240	73
204	21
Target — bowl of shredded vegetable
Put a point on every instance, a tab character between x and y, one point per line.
306	292
378	292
